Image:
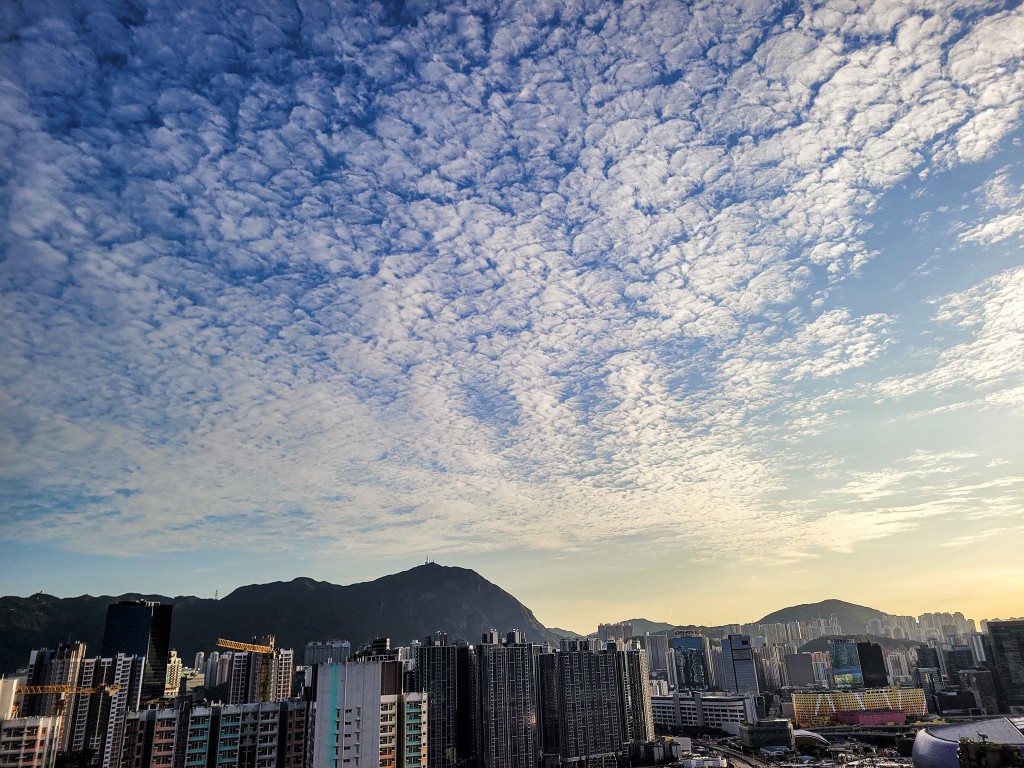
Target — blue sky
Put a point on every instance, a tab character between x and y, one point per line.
689	311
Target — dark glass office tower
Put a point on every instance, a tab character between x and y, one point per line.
1007	640
846	670
872	665
140	628
692	658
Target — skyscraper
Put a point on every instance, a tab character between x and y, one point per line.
740	675
140	628
872	665
1007	640
846	669
509	702
437	671
691	656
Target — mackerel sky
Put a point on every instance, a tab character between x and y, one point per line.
684	310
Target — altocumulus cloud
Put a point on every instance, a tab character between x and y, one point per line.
528	274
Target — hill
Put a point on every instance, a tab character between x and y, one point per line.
403	606
851	617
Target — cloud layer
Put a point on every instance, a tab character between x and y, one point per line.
415	277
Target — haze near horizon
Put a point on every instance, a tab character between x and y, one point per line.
672	310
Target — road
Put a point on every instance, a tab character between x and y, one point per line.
737	757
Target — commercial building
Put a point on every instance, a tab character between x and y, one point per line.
767	733
872	665
1006	639
140	628
740	674
672	714
818	709
845	662
691	659
800	670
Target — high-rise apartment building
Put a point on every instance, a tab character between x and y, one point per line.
261	735
439	674
327	652
384	726
141	628
588	706
740	674
509	702
255	677
29	742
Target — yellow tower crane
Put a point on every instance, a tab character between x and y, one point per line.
267	655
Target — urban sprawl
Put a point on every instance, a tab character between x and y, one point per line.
738	695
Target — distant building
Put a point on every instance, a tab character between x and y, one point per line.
872	665
819	709
740	674
174	668
327	652
800	670
980	683
140	628
845	662
691	658
1007	645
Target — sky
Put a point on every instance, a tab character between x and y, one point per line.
688	311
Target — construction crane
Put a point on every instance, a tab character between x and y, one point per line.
63	691
67	690
267	655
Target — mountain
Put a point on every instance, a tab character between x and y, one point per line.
403	606
852	618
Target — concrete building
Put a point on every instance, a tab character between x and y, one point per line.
767	733
327	652
29	742
671	714
384	727
255	677
261	735
173	682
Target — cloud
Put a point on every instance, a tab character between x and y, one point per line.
543	279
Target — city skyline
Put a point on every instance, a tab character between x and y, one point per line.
679	309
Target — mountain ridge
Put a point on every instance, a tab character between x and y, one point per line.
404	606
